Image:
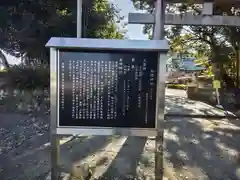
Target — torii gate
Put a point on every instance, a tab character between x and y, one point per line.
159	19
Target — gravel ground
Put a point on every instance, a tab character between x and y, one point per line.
194	149
20	136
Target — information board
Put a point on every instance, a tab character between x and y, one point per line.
107	88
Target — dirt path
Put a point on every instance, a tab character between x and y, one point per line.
194	149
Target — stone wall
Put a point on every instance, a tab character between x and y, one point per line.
229	99
202	94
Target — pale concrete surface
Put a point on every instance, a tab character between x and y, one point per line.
203	149
177	103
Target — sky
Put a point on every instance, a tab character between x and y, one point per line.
134	31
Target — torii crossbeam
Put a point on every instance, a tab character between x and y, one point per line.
205	19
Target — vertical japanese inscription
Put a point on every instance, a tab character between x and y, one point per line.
101	89
80	114
62	86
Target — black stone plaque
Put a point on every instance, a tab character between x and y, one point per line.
107	88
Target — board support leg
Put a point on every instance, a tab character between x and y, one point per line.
159	156
158	34
55	154
54	140
160	117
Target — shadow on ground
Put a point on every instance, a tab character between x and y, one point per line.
20	134
202	148
127	159
33	165
206	153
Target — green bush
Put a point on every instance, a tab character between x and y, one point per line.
28	78
176	86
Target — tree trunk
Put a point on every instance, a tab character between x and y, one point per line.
4	61
215	64
238	68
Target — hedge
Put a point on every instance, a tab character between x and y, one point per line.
176	86
26	77
39	77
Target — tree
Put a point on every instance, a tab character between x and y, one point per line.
221	42
26	26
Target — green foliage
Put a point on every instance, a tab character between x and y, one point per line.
220	45
183	44
27	78
26	26
176	86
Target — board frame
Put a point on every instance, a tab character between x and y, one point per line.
160	46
